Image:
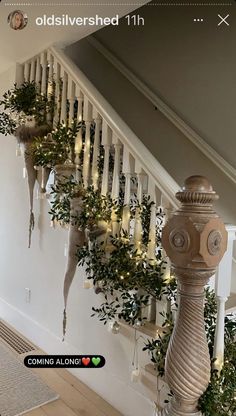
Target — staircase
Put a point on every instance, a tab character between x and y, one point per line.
131	157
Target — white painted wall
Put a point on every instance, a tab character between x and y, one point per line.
191	65
41	269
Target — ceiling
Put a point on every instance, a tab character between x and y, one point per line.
17	46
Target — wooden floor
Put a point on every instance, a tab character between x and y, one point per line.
76	399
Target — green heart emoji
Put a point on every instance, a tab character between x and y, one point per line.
96	361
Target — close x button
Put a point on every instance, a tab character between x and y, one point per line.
223	20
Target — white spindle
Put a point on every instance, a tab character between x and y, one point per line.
116	182
44	72
27	72
71	87
78	139
106	142
128	170
32	70
49	86
38	73
79	96
57	93
138	223
116	173
87	144
223	289
64	99
19	79
96	150
152	232
50	75
166	207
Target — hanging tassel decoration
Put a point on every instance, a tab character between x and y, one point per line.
64	324
31	227
76	239
136	373
32	175
26	135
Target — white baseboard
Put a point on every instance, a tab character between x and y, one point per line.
119	394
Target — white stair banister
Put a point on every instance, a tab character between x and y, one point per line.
96	149
71	88
50	86
222	290
116	172
106	142
128	171
27	72
166	206
44	72
88	111
138	223
57	68
32	70
78	139
116	181
50	62
63	118
38	73
151	166
79	96
152	233
19	78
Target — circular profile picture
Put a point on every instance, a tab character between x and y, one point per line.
17	20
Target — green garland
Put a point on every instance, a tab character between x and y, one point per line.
7	124
28	100
58	147
96	207
126	277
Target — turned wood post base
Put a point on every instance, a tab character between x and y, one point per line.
195	241
173	410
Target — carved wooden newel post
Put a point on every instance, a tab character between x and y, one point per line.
195	240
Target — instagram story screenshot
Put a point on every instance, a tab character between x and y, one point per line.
118	208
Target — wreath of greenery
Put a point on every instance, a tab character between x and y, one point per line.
23	101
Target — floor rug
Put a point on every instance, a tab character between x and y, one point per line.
20	389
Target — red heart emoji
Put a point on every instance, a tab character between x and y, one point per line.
86	361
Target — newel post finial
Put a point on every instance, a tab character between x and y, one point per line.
195	240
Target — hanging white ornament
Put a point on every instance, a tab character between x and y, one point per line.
88	284
115	328
66	249
136	372
136	375
18	150
110	325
